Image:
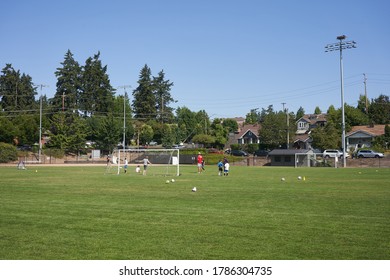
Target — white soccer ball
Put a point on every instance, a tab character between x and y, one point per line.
282	179
167	181
194	189
173	180
299	178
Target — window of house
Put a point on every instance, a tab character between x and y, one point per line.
278	159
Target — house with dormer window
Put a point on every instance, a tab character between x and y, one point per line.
304	127
248	134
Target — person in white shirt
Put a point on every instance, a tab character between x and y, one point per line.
226	169
146	162
125	165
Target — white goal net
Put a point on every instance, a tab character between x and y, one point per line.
165	162
306	160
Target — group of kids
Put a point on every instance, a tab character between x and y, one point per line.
223	165
145	161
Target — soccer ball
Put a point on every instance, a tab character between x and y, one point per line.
167	181
283	179
194	189
173	180
299	178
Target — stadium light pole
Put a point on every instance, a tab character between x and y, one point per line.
124	114
339	46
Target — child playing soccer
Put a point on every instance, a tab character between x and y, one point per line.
220	168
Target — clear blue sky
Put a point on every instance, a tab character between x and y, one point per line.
225	57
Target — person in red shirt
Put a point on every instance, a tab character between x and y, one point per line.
200	162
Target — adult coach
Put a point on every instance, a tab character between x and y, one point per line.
199	160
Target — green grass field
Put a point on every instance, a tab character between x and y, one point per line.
81	213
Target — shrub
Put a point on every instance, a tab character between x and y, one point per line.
8	153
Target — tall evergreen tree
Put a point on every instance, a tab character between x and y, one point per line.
317	110
300	113
67	96
97	94
144	98
17	91
162	90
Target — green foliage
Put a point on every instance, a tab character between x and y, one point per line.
27	127
8	153
144	99
231	125
317	110
162	91
68	132
97	94
69	82
379	110
252	117
251	148
300	113
236	146
146	134
186	119
16	90
327	137
168	136
8	130
274	128
354	116
108	133
204	139
381	143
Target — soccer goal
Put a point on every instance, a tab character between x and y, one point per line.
305	160
165	162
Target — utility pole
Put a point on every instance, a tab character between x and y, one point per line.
288	124
124	115
339	46
40	122
365	92
162	108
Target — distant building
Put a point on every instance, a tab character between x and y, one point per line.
286	157
305	125
363	135
248	134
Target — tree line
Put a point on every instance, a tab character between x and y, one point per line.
86	108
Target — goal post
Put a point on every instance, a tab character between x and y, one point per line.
165	162
305	160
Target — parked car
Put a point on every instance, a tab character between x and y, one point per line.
178	146
333	154
369	154
24	148
238	153
152	143
261	153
